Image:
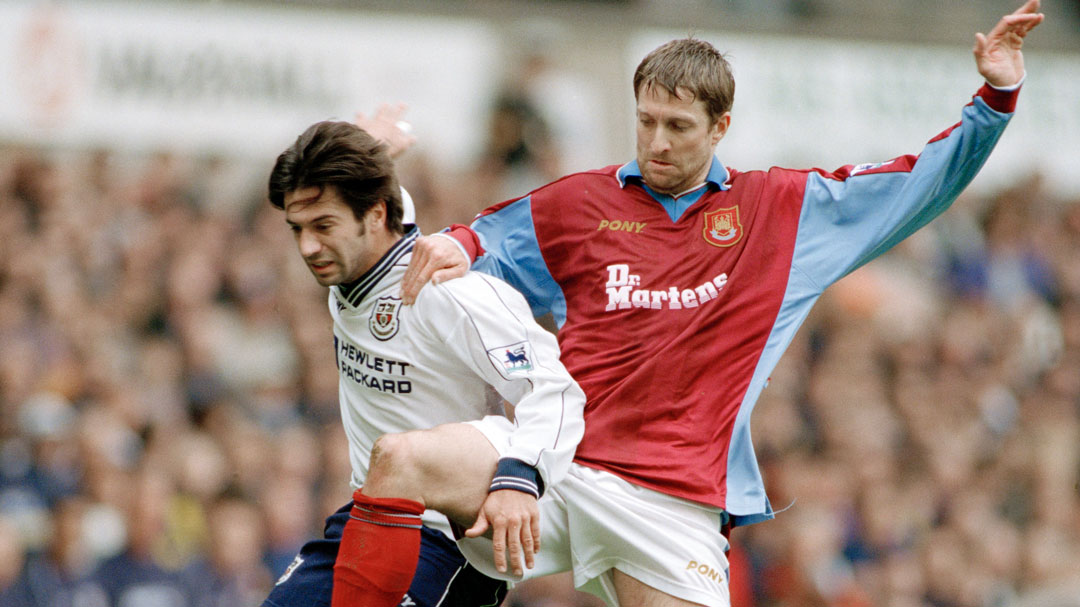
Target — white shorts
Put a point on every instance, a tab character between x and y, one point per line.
592	522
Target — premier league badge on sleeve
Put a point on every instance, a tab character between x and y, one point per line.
384	318
515	359
722	227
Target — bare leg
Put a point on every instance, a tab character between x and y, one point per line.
633	593
447	468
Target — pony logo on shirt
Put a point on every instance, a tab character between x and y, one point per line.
512	359
384	318
722	227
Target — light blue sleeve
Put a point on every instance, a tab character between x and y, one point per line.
512	253
849	218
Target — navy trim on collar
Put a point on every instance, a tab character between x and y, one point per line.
353	293
631	173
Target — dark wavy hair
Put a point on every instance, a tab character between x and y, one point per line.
344	156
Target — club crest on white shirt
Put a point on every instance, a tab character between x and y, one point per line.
515	359
384	318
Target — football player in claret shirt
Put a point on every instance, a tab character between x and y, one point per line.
424	368
677	283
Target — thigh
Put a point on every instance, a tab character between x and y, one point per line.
449	467
633	593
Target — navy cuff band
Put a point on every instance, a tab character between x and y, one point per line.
517	475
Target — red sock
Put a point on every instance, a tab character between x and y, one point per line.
379	550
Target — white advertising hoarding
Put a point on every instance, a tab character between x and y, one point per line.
247	79
239	80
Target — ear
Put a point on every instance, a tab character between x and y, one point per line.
720	127
376	216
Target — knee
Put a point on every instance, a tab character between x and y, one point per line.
396	467
394	454
387	452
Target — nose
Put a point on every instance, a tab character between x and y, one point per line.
307	242
660	142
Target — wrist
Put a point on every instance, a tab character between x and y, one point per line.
467	238
461	248
516	475
1000	99
1010	87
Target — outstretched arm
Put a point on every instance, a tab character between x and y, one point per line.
997	54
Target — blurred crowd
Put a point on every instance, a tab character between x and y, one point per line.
170	435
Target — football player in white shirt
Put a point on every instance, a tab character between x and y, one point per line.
424	368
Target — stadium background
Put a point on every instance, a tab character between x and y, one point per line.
168	430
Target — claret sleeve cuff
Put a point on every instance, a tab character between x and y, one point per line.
466	239
1001	99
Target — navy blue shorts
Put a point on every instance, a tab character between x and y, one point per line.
443	577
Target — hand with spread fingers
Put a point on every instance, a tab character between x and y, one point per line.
997	54
435	259
514	521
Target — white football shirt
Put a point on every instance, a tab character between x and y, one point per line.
413	367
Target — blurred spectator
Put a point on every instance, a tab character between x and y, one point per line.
519	154
543	122
1005	264
61	576
146	573
290	511
14	590
233	575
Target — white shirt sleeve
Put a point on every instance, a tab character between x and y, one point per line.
489	326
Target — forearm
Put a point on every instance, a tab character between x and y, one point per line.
550	425
854	214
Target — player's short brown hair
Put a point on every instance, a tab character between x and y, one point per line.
342	155
689	65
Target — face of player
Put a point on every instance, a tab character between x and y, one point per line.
675	139
337	247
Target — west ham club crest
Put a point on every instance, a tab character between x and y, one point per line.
384	318
722	227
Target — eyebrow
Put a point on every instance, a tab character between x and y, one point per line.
688	120
315	219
